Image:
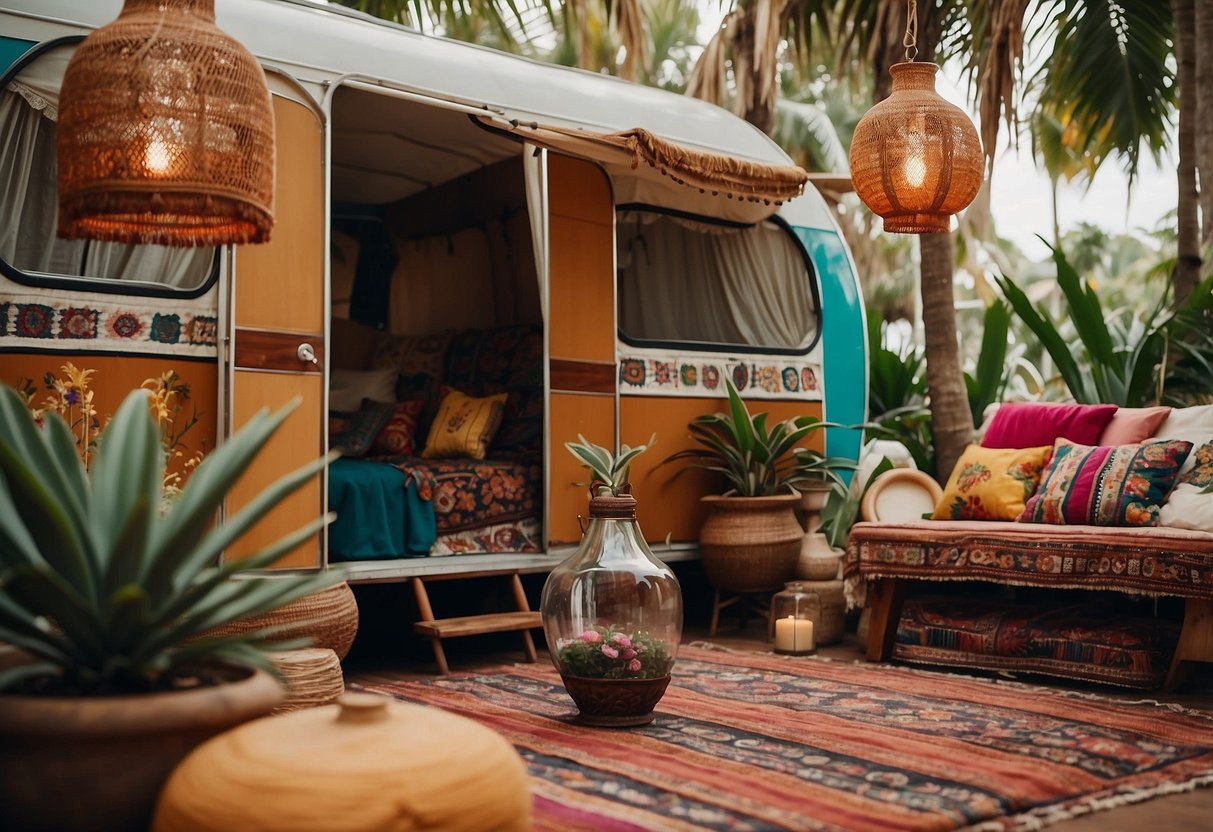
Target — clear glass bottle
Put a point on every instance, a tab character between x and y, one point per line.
795	615
612	615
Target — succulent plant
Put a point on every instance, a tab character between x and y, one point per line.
608	469
108	591
757	460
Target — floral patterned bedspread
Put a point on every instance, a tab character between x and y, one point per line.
473	494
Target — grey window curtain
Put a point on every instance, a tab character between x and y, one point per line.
708	284
29	198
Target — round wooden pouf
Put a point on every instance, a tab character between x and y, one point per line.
366	763
329	618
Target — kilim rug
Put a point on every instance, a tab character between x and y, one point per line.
747	741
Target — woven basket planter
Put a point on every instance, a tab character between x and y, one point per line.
311	676
329	618
750	544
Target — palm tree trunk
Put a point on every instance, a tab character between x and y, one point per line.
1187	263
952	422
1204	122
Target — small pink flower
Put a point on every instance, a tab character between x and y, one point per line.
629	653
591	637
610	652
621	640
634	665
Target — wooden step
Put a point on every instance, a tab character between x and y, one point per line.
474	625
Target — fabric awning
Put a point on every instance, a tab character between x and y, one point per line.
647	169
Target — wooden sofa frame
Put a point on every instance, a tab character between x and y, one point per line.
1150	561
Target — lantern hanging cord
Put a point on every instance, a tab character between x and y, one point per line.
910	41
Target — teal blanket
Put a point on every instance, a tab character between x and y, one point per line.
379	513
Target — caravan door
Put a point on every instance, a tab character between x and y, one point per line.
276	328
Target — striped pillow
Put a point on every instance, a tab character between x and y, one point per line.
1106	485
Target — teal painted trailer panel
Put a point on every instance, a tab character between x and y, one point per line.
844	347
11	49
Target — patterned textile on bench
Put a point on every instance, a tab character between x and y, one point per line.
1148	560
1092	641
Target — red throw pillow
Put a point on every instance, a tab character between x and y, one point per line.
1032	424
397	436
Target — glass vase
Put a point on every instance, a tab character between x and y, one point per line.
612	617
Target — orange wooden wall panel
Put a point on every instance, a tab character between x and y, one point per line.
116	375
582	257
296	442
573	414
280	284
668	495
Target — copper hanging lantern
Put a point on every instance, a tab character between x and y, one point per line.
165	132
915	158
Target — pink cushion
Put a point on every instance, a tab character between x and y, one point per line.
1131	425
1032	424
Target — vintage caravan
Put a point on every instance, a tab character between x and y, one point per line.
600	256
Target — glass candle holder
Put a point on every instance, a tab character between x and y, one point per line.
795	614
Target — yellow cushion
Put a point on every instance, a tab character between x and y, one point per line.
464	426
991	483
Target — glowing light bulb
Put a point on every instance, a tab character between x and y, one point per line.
156	159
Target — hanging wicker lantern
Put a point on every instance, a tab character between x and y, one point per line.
165	132
916	159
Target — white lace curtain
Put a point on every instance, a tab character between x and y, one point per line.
29	198
702	283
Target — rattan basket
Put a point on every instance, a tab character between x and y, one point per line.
750	544
329	618
311	676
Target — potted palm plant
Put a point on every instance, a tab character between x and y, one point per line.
751	539
107	597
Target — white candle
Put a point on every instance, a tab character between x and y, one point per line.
793	635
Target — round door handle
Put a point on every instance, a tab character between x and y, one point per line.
307	354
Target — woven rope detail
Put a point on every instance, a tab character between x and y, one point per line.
916	159
165	132
311	676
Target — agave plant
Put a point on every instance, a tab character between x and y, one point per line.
106	591
756	460
607	470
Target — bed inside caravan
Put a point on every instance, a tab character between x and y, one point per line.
436	343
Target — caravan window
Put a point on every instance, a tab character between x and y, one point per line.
708	286
30	250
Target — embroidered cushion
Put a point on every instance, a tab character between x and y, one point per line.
1032	424
464	426
991	483
347	388
1106	485
1187	507
1133	424
397	436
361	428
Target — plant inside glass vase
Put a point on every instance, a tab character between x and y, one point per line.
614	653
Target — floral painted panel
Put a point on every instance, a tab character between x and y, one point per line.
758	377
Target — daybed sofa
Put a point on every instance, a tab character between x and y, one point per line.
480	490
1132	632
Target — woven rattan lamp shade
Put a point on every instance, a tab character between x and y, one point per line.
165	132
916	159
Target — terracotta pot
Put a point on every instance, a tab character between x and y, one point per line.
750	544
98	762
615	703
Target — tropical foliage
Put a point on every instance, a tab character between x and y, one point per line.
1121	356
105	591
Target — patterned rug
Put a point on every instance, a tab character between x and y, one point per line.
748	741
